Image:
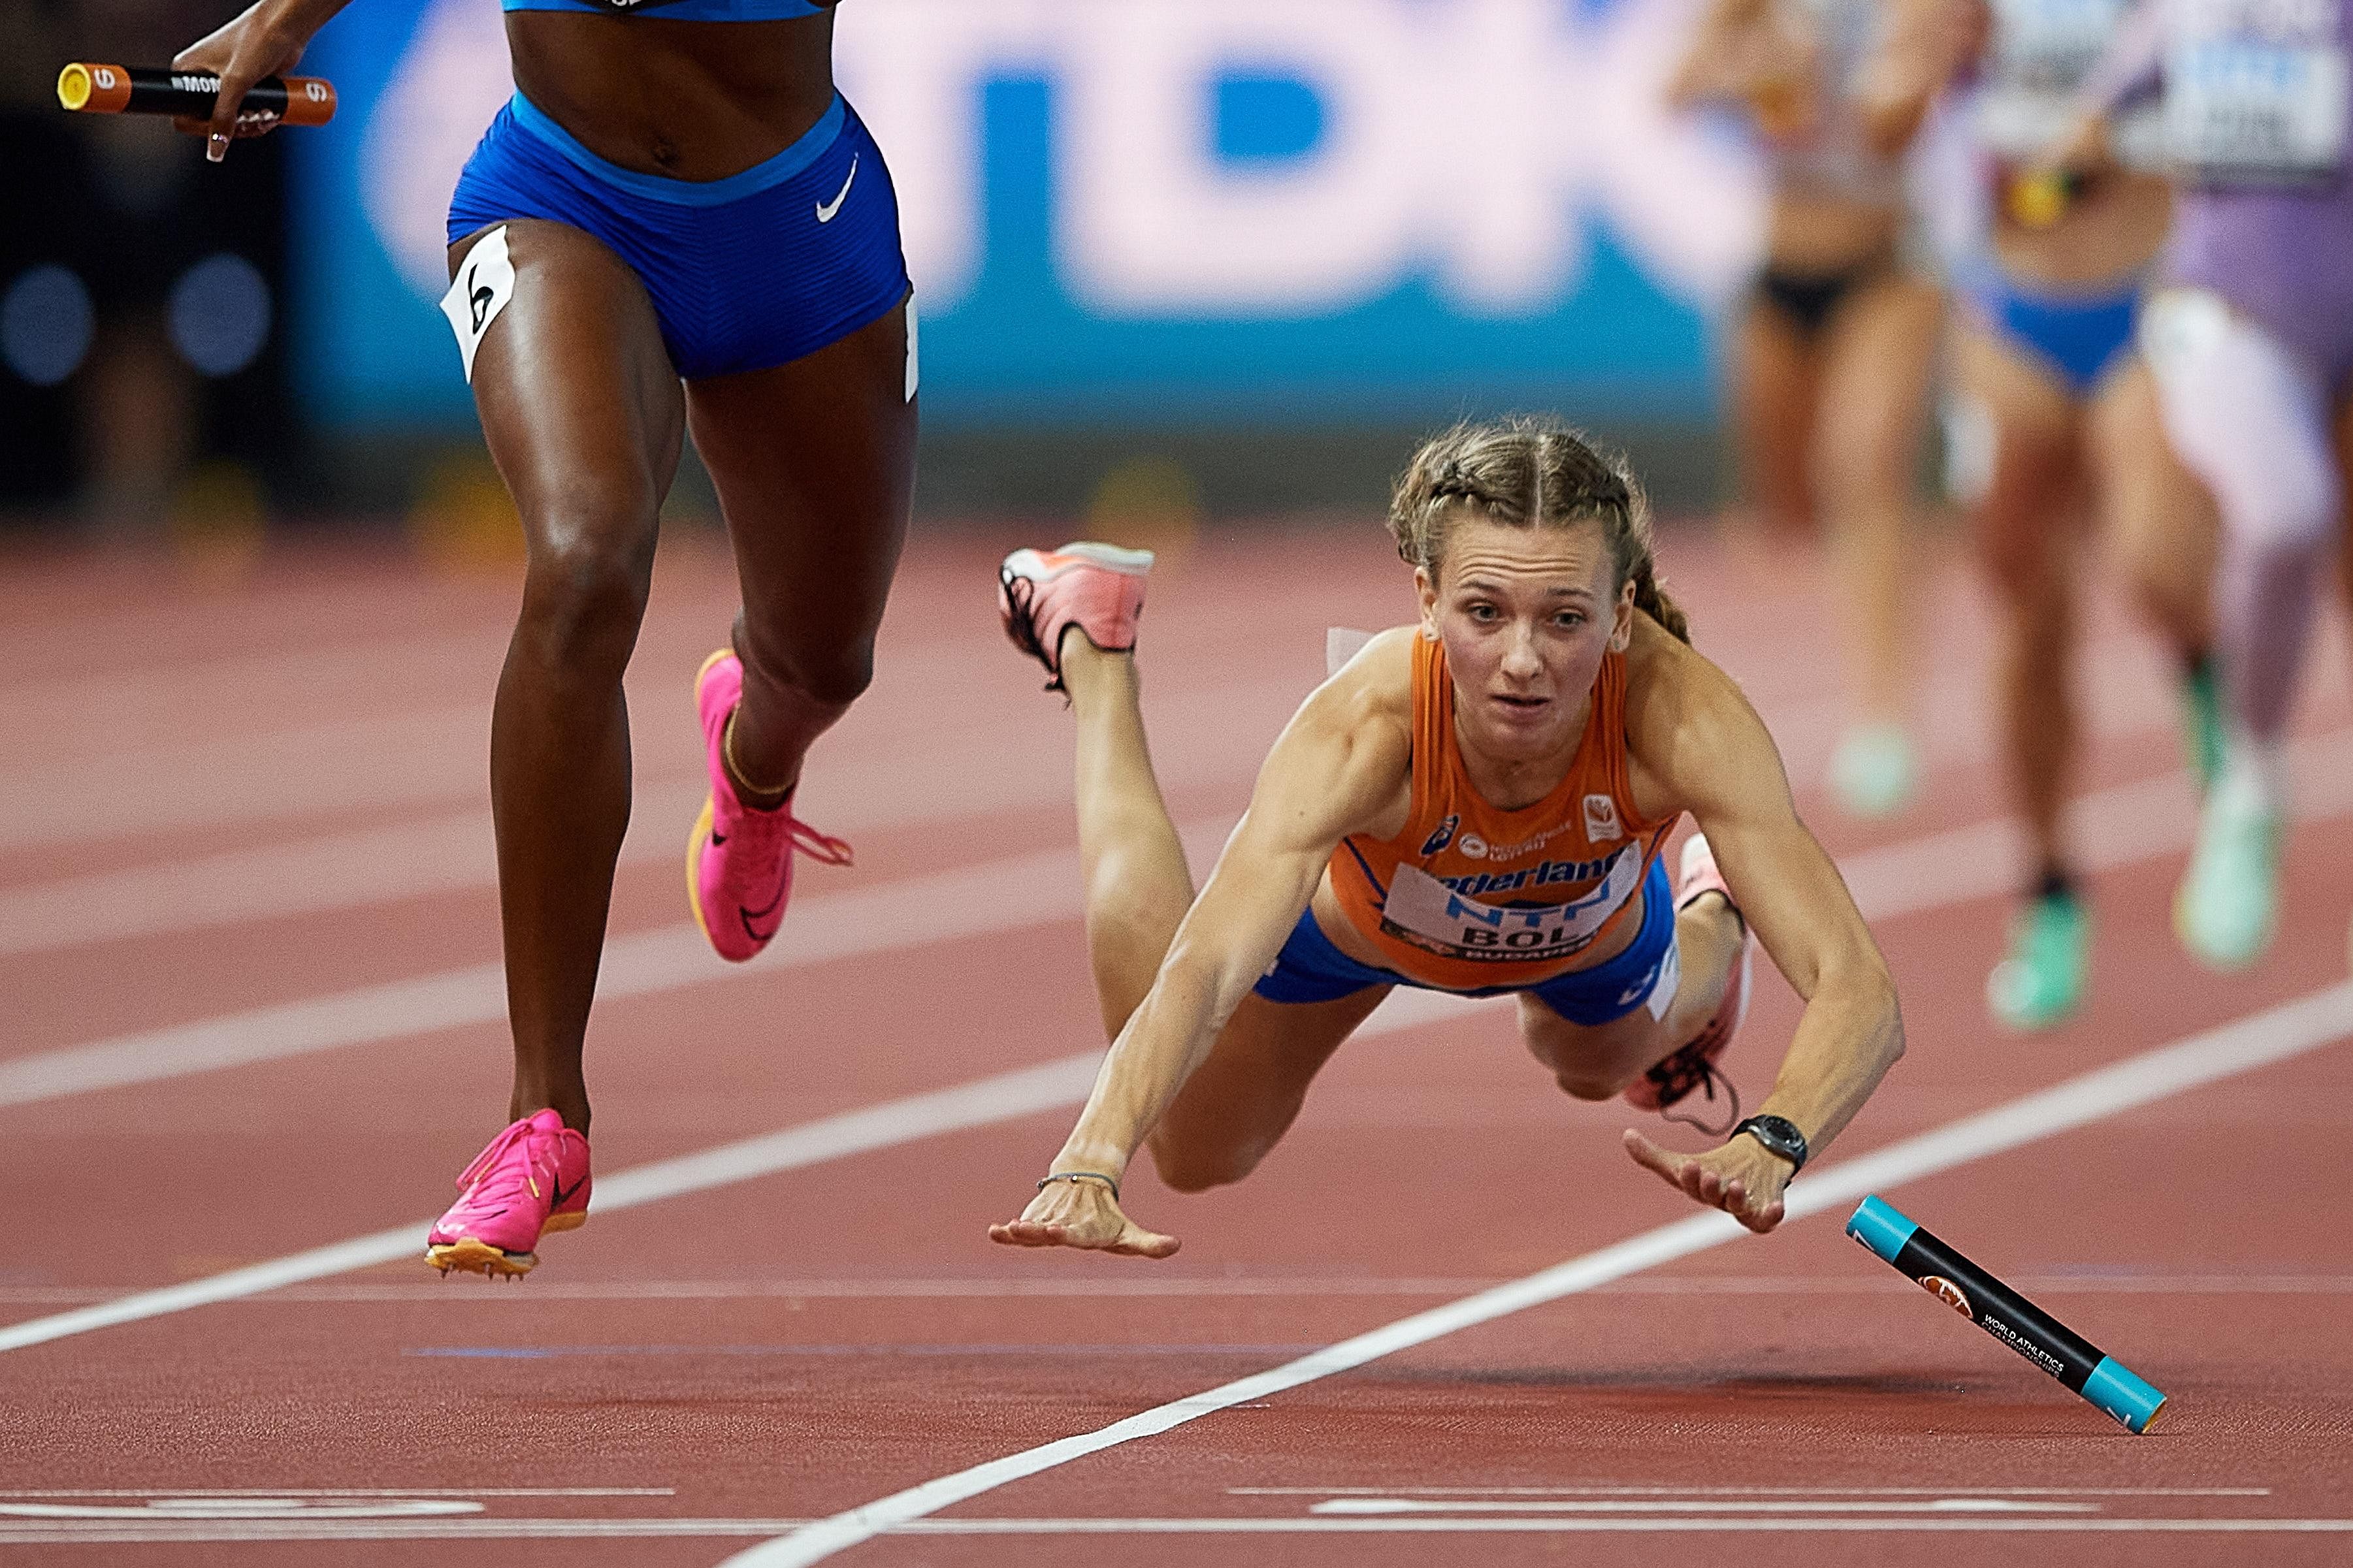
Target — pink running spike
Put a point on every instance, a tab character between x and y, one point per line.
1098	588
739	860
533	1177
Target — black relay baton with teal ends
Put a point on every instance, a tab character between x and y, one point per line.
2005	1314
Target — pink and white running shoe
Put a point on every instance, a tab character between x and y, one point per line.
532	1178
1693	1067
739	860
1098	588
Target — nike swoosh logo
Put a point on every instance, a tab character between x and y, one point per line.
825	211
717	838
562	1194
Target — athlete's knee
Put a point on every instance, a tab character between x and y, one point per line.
834	676
1190	1166
584	591
1593	1081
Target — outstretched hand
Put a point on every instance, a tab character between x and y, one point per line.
1082	1214
1742	1177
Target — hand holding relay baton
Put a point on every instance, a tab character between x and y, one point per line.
192	97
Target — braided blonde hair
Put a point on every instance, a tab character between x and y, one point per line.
1528	471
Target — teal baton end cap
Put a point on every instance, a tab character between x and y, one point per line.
1880	1227
2114	1388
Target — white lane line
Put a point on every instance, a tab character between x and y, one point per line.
1367	1507
2124	825
864	791
336	1492
29	1532
2255	1041
1749	1491
998	895
1052	1085
1196	1287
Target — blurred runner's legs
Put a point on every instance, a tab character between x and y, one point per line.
1830	361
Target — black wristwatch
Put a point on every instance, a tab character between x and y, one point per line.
1779	1135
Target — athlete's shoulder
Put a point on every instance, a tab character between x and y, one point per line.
1686	720
1377	682
1365	707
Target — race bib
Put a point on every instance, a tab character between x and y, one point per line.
2257	91
1426	912
479	291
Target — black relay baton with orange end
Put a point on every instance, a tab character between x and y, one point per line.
190	95
2005	1314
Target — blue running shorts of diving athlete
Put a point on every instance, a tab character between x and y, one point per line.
746	272
1311	969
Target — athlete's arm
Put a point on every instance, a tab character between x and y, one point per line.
267	38
1700	746
1719	65
1926	46
1338	768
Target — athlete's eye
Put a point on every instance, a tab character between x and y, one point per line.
1481	613
1569	620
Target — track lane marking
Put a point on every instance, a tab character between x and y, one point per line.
167	1531
2275	1035
1055	1085
2121	826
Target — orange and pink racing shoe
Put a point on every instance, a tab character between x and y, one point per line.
1693	1067
739	859
1098	588
532	1178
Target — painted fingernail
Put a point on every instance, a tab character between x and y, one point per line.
215	148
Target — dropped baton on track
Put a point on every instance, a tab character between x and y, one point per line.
2005	1314
92	88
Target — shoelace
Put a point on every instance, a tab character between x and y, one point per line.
821	848
487	1162
1021	594
1690	1070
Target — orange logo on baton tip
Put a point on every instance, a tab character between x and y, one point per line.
1950	1294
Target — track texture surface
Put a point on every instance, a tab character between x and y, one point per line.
240	802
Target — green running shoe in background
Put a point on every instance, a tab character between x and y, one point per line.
2041	983
2227	907
2201	724
1873	770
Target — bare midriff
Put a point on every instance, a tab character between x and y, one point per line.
686	101
2110	231
1816	232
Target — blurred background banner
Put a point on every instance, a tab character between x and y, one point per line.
1148	213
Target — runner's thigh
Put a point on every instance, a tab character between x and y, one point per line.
814	461
578	400
1239	1103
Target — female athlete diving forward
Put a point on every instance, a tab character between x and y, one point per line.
676	225
1473	804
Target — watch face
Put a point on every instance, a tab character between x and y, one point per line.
1779	1136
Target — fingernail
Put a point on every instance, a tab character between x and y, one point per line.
215	148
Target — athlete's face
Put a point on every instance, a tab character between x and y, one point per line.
1525	615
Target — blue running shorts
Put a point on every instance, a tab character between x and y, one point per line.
746	272
1310	969
2080	336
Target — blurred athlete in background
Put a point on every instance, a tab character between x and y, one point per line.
2054	419
675	195
1830	358
2251	337
1477	804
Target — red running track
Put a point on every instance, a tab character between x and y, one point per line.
264	803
